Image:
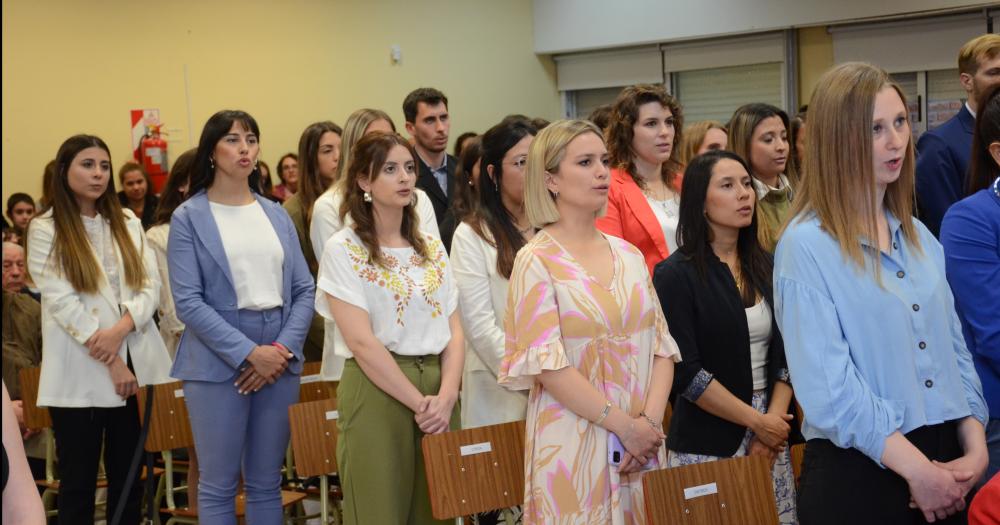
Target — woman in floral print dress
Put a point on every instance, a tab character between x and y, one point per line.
586	335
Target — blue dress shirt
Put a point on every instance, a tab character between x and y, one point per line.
970	234
867	360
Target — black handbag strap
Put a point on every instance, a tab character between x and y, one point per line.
133	470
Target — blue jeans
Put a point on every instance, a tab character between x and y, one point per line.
249	431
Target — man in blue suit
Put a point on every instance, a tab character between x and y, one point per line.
943	153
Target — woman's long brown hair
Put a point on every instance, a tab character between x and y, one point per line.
367	158
72	250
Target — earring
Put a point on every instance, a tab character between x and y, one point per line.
367	197
211	163
555	194
256	163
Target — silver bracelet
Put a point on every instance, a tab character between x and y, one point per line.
604	414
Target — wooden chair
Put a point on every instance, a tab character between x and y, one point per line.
312	387
314	445
475	470
726	492
170	429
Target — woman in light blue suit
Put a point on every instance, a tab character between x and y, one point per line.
242	288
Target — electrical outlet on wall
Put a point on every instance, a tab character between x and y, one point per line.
396	54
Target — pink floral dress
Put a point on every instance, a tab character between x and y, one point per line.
559	316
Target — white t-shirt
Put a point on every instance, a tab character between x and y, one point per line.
408	301
759	323
254	252
667	214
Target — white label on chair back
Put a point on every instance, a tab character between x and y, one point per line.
478	448
333	414
179	392
700	490
315	378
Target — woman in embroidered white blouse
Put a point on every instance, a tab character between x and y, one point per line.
389	288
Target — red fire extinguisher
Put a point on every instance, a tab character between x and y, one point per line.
153	151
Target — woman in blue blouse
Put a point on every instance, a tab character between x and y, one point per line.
241	352
970	234
894	410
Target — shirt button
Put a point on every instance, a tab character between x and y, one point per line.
916	308
922	345
928	383
900	274
895	246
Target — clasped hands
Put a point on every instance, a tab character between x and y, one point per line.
642	441
770	435
939	489
266	364
433	413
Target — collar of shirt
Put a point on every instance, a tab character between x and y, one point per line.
968	107
442	168
763	189
894	226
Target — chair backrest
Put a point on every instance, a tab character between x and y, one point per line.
35	417
311	384
475	470
733	491
314	437
169	427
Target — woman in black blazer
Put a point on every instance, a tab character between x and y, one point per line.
733	389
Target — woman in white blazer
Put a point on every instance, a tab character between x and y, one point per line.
482	255
326	221
99	288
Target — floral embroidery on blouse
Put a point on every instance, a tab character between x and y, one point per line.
395	276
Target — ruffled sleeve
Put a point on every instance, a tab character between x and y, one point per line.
533	339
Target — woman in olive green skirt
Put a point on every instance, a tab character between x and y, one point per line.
389	288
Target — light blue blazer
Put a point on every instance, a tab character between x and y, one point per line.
212	347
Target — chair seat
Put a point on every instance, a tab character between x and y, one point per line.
288	498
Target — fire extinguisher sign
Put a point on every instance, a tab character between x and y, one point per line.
142	120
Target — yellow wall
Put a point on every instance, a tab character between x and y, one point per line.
72	67
815	57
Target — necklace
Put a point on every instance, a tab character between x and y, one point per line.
669	205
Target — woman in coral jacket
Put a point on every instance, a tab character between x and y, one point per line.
643	200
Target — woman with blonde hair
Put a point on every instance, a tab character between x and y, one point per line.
894	410
586	336
99	289
759	133
326	219
644	199
700	137
389	287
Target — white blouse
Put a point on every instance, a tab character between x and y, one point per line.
254	252
171	327
99	233
759	323
668	215
408	301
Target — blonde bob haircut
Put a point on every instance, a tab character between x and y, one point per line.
840	189
694	135
354	129
544	156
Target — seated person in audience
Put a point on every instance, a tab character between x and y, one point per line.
716	294
137	193
319	153
943	153
970	234
21	503
20	210
894	409
288	172
644	198
585	335
759	133
264	183
326	219
22	344
390	289
99	289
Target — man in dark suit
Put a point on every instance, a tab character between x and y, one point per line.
426	113
943	153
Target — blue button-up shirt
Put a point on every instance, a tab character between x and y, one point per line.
867	360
